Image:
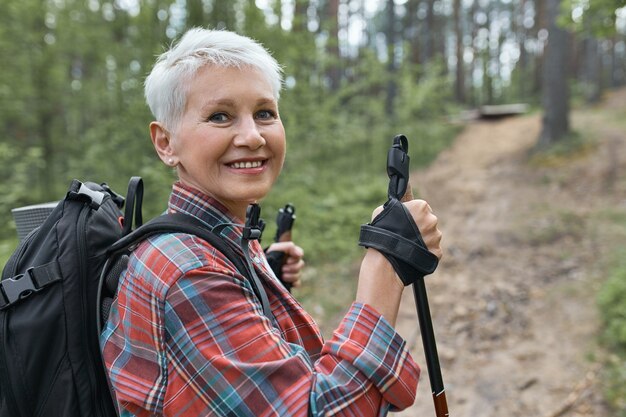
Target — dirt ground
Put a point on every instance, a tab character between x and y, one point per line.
513	301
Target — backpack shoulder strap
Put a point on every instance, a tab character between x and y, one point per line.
134	200
183	223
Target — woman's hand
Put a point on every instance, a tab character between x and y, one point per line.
379	286
294	263
426	222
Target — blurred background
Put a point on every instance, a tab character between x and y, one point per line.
514	112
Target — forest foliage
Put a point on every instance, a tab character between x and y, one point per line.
356	74
73	107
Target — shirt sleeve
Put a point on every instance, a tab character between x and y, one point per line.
225	358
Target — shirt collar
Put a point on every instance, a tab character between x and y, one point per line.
188	200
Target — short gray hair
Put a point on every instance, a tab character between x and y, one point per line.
166	86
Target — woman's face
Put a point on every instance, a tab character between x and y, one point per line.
230	143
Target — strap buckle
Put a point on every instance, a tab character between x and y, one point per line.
17	288
81	192
253	228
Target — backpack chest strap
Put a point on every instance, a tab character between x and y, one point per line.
21	286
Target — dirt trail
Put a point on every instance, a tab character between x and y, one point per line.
513	300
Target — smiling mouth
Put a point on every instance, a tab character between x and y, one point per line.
247	164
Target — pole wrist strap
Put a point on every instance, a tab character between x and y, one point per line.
394	234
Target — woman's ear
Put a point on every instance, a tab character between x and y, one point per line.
162	142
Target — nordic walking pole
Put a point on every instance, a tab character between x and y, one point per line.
430	348
421	298
284	223
393	233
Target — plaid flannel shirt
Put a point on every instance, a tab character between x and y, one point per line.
186	336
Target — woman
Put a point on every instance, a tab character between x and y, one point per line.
187	335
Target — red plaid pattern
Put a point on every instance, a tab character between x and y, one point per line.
187	337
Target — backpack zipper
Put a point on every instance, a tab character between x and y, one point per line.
82	269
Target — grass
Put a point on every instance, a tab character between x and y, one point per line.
549	225
574	146
612	305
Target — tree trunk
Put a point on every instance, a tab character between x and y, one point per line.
540	23
614	70
300	16
459	82
429	46
522	65
555	92
487	77
195	13
411	31
391	56
334	72
473	97
593	70
223	15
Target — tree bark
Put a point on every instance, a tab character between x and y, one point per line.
195	13
540	23
593	70
473	30
411	31
522	65
300	16
429	46
487	77
459	82
334	72
391	56
555	91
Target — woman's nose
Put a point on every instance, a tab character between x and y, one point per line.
248	134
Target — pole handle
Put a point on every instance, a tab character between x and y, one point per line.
284	224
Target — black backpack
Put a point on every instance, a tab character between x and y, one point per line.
55	295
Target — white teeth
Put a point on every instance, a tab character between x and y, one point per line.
241	165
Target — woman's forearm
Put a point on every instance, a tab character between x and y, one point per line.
378	286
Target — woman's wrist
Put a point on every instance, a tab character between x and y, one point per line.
379	286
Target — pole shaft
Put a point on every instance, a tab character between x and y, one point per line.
430	347
441	405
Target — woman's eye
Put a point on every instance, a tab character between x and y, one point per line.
218	117
266	115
